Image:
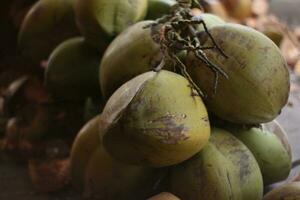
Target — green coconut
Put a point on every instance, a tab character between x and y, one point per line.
210	21
98	175
257	86
100	20
159	8
47	24
289	191
164	196
273	158
155	120
132	53
225	170
277	130
72	71
86	142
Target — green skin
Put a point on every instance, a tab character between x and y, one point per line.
290	191
249	174
272	157
225	170
161	124
98	175
132	53
47	24
258	83
72	71
196	177
86	142
159	8
210	21
101	20
164	196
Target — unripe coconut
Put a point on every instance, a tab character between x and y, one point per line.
100	20
215	7
155	120
225	170
86	142
47	24
72	71
158	8
276	129
99	176
132	53
210	21
273	159
238	9
164	196
258	79
290	191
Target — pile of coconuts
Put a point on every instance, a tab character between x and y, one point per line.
189	101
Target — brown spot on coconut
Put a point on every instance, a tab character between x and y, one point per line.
150	125
225	170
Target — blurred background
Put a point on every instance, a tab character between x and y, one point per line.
22	92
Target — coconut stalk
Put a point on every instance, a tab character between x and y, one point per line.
177	33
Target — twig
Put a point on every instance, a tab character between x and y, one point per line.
178	33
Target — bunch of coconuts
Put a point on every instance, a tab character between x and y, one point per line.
156	133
